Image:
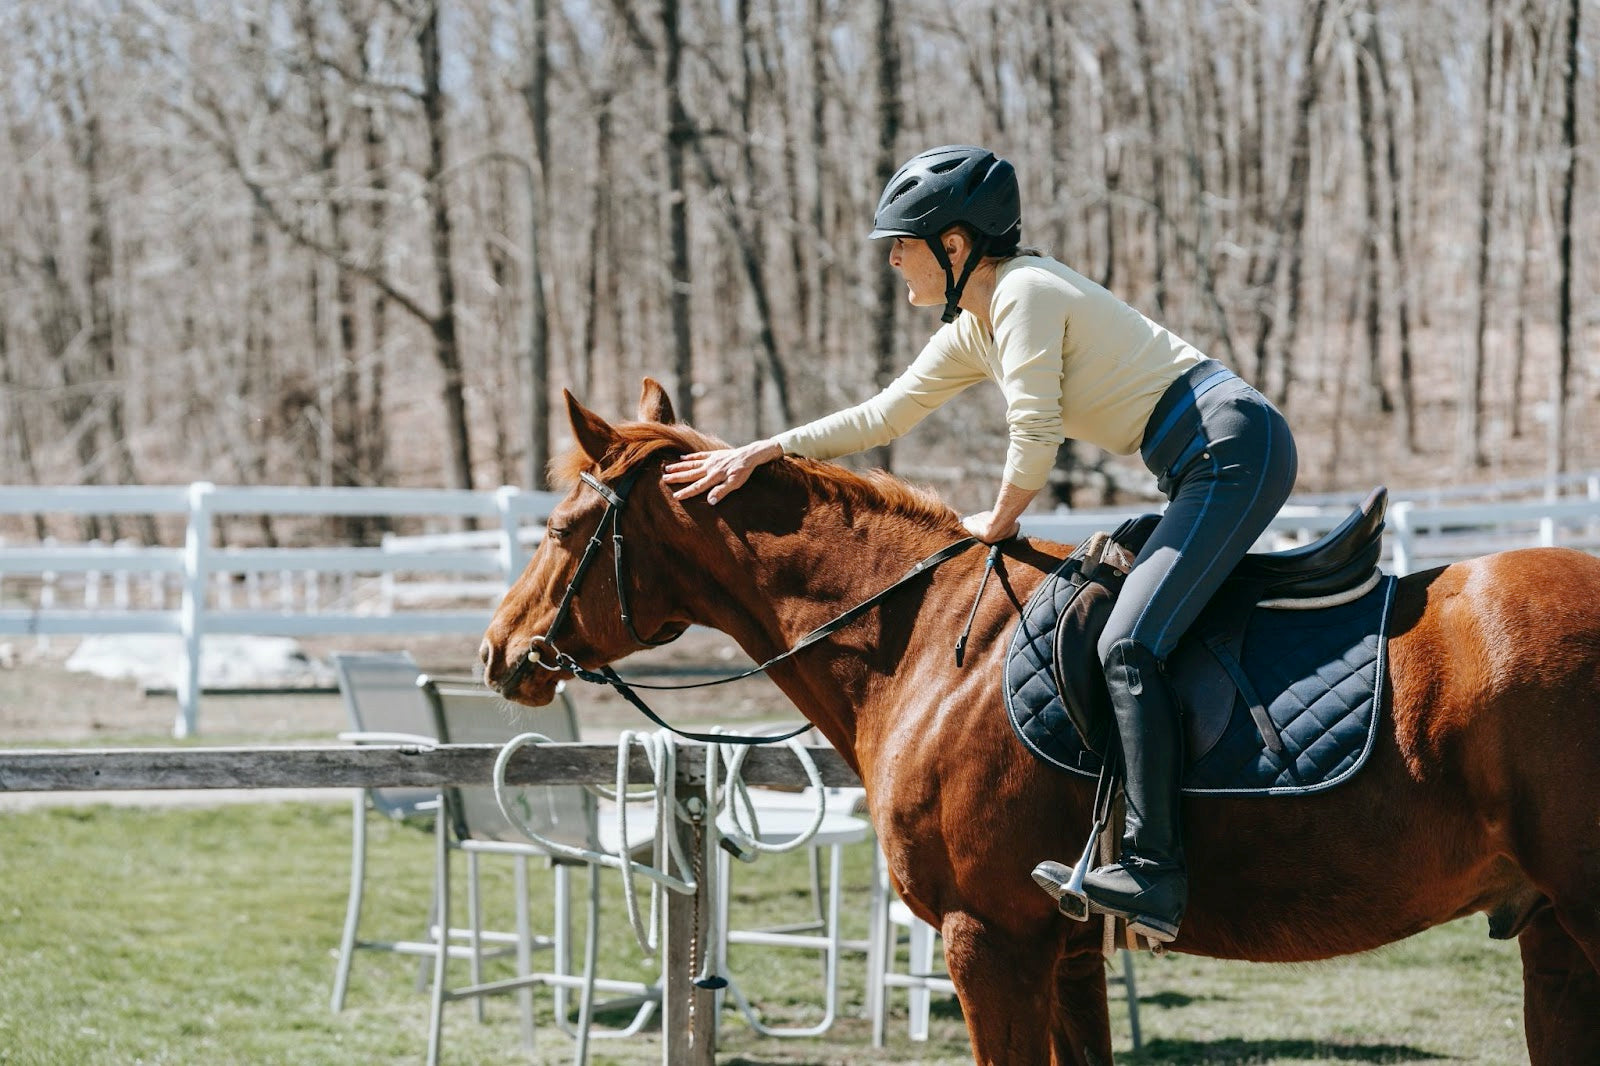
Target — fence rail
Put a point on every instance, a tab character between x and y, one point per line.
379	766
418	585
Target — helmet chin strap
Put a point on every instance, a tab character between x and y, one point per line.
952	285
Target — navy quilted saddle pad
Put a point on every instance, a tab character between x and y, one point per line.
1318	674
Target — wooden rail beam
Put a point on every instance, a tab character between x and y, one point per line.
375	766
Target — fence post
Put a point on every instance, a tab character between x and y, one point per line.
191	617
47	597
1400	513
510	554
688	1012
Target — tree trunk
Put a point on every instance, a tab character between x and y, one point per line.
1194	118
1469	445
599	243
823	253
678	131
1158	177
16	420
341	417
1542	43
1291	225
373	449
443	326
537	398
1397	233
889	118
1561	383
1372	192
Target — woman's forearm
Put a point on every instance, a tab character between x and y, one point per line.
1010	503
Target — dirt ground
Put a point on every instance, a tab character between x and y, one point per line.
41	702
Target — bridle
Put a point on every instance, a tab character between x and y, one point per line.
615	499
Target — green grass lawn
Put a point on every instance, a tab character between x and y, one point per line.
184	936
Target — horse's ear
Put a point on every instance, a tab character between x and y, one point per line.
593	433
654	403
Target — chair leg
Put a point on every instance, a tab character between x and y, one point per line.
816	884
441	895
591	953
352	910
921	966
524	950
563	941
1133	997
880	945
475	930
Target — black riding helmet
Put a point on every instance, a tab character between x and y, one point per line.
938	188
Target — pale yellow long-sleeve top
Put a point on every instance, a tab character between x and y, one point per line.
1072	360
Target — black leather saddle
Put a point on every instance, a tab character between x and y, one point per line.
1262	690
1338	562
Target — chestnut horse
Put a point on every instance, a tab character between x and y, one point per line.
1480	795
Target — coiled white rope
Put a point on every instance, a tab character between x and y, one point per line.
743	828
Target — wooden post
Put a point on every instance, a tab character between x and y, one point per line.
688	1013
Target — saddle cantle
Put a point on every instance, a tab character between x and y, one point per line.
1278	678
1336	563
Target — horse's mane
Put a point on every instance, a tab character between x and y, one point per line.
875	489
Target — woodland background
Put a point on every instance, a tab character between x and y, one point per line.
367	242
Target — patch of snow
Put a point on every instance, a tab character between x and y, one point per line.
156	660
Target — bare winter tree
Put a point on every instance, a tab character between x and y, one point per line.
374	238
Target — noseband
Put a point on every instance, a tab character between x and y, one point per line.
562	662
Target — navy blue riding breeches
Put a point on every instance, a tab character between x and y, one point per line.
1226	460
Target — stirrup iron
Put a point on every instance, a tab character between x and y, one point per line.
1071	900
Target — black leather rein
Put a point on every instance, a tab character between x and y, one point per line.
615	499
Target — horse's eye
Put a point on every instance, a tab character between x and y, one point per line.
557	532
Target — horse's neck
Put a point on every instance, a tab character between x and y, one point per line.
767	611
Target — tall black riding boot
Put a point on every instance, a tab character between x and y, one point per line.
1148	884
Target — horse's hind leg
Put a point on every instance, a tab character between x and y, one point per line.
1561	995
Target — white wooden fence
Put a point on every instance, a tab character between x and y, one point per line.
1426	528
200	560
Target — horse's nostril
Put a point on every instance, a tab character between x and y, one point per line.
484	651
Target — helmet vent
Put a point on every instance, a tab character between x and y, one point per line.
946	166
905	187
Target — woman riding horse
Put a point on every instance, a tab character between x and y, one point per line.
1071	360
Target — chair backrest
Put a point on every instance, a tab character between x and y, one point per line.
472	714
380	696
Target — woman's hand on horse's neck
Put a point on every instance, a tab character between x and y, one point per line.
1001	522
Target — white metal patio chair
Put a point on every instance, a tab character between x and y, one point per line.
781	816
920	977
384	706
471	822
